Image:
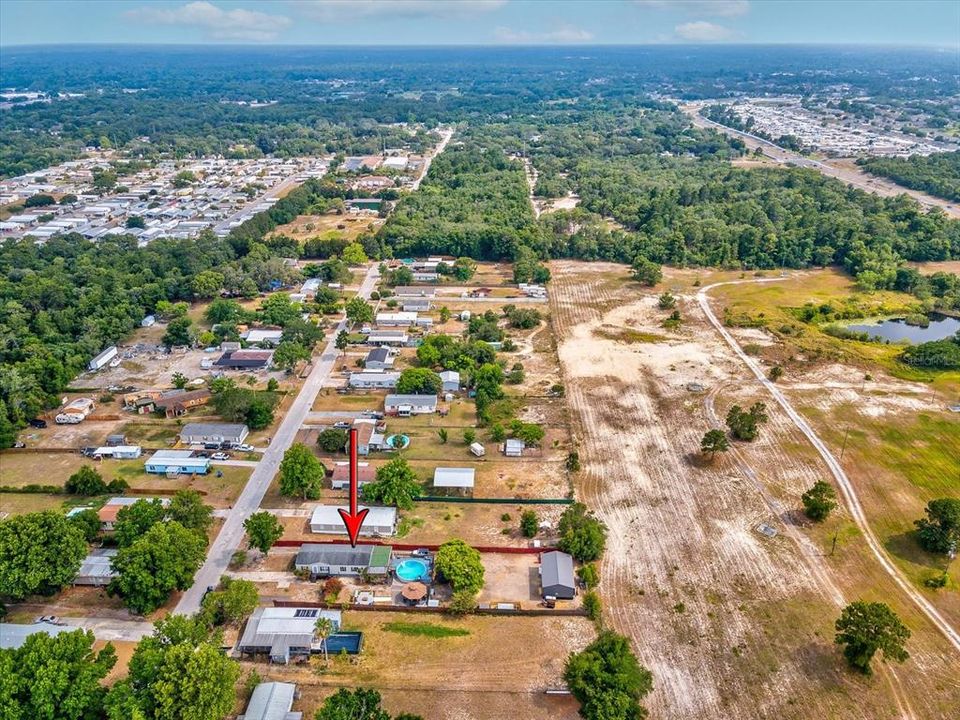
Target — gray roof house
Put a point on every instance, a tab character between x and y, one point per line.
556	575
272	701
13	636
406	405
380	358
97	569
213	433
324	560
451	380
284	632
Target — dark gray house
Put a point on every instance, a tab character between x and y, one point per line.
556	575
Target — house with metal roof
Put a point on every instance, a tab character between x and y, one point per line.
414	291
366	473
513	447
284	632
407	405
460	478
96	568
372	379
245	359
118	452
556	575
324	560
178	462
370	436
259	336
450	380
415	304
272	701
379	521
13	635
201	433
380	358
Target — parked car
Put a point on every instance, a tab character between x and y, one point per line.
244	448
202	454
220	456
375	414
37	423
420	552
211	446
342	425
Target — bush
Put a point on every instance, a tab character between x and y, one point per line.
529	523
592	605
589	575
581	534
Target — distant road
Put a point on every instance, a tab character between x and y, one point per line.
846	487
445	136
857	178
292	181
231	534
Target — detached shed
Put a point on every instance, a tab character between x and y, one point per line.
460	478
556	575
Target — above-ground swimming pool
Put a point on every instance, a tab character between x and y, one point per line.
411	569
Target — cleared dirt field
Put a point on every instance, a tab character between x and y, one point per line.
499	670
731	624
305	227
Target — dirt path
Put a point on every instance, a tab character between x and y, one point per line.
531	173
732	624
846	487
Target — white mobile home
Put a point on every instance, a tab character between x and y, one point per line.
379	521
103	359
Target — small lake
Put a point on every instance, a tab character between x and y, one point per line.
897	330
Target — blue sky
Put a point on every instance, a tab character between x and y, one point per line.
484	22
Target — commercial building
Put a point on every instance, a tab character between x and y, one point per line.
556	575
176	462
322	560
272	701
201	433
379	521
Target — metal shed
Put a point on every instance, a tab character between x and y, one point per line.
556	575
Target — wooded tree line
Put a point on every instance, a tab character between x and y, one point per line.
935	174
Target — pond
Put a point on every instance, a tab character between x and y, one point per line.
897	330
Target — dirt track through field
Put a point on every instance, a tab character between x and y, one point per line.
732	624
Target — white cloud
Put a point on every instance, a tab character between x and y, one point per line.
703	31
337	10
217	24
717	8
565	35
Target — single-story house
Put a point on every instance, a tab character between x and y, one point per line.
370	436
379	358
379	521
451	380
96	568
460	478
374	379
425	276
284	632
366	473
272	701
513	447
175	403
407	405
13	636
387	338
416	304
245	359
194	433
556	575
323	560
396	319
258	336
177	462
119	452
108	513
414	291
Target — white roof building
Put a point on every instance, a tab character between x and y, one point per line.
453	477
379	520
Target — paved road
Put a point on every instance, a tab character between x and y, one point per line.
857	178
111	629
445	136
231	534
846	487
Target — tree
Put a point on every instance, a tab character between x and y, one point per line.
666	301
354	254
188	509
301	473
531	433
469	436
819	501
133	521
460	565
179	380
581	534
263	530
443	435
646	271
396	484
444	314
863	628
222	310
233	603
160	561
333	440
592	605
39	200
607	680
462	602
342	341
68	199
183	179
464	268
529	523
746	425
206	284
714	441
288	354
8	432
498	433
401	276
54	676
589	575
85	481
178	332
89	523
323	629
939	531
419	381
776	372
359	704
359	310
277	309
39	554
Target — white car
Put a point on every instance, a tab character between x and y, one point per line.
244	448
220	456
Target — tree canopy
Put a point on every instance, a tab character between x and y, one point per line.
864	628
301	473
607	679
460	565
39	554
396	484
582	535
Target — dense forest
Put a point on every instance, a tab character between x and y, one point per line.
935	174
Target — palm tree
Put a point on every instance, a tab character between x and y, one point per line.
323	629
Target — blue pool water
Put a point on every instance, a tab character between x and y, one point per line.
411	569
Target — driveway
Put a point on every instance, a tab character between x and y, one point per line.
231	534
108	629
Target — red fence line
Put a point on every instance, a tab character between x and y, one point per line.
569	612
406	546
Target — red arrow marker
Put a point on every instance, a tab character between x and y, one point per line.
353	519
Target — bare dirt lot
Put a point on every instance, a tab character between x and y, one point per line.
731	624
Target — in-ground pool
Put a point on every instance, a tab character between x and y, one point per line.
411	569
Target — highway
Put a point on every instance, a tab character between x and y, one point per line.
231	534
445	136
850	176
